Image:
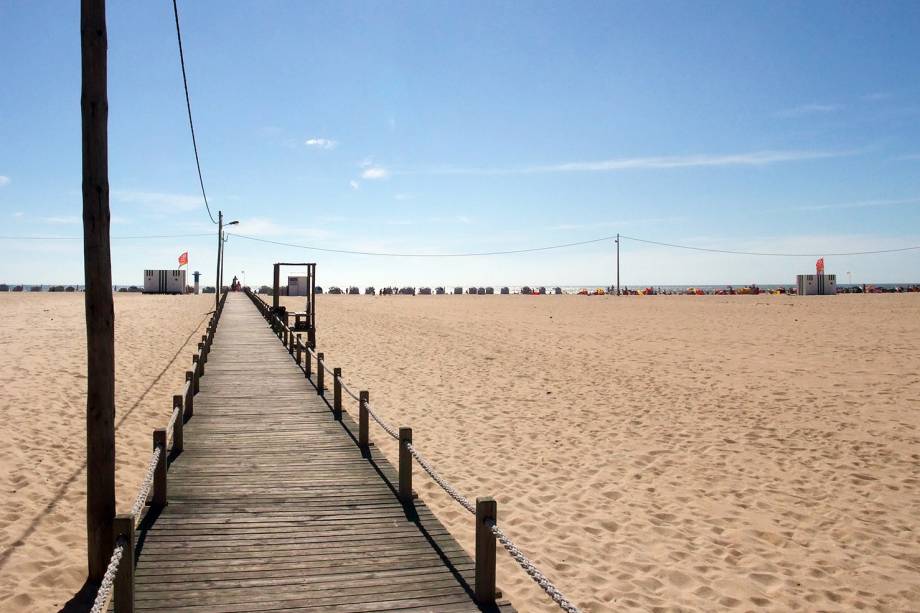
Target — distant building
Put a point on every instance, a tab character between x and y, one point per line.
164	281
298	286
816	285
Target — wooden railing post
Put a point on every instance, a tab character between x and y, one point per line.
299	349
207	348
364	398
196	368
405	465
337	394
486	513
320	375
159	473
190	395
290	341
123	586
202	356
308	364
178	442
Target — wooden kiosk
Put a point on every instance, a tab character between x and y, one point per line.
303	320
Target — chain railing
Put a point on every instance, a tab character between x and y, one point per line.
484	508
154	478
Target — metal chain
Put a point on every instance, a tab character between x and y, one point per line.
101	602
386	427
447	487
532	570
141	499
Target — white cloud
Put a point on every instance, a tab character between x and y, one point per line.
372	173
61	219
18	214
181	202
809	109
4	180
876	96
354	184
855	205
321	143
755	158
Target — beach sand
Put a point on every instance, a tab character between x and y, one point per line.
43	405
662	453
692	453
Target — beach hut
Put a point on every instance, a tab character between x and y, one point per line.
481	291
526	291
458	291
425	291
407	291
557	291
490	291
816	285
542	291
159	281
472	290
18	288
4	287
353	291
70	288
369	291
439	291
335	290
505	291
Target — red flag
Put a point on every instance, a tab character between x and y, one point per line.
819	265
183	259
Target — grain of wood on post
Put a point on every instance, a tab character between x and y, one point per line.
320	375
363	425
123	597
405	465
178	425
159	473
337	394
189	393
486	513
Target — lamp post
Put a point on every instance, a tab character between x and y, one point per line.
219	280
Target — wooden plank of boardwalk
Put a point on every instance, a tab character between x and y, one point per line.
272	506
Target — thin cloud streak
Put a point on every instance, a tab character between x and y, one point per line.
4	180
321	143
756	158
809	109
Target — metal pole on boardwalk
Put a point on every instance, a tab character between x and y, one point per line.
100	312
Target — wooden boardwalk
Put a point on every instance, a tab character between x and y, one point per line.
272	506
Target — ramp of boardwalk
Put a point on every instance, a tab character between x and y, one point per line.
273	506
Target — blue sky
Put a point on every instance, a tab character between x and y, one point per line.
476	126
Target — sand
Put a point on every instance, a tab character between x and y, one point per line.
663	453
42	407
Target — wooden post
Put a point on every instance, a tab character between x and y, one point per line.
190	400
159	473
99	308
123	597
364	398
202	357
204	343
196	368
320	375
337	394
290	335
177	428
486	512
405	465
308	364
299	345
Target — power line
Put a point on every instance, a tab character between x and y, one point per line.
188	105
425	255
771	254
563	246
76	238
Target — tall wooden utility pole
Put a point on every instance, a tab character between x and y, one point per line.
100	312
618	263
220	248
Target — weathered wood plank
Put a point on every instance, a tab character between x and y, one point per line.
272	505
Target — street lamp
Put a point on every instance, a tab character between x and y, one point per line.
219	280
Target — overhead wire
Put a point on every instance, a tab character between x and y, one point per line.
188	105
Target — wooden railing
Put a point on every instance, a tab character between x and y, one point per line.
119	579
